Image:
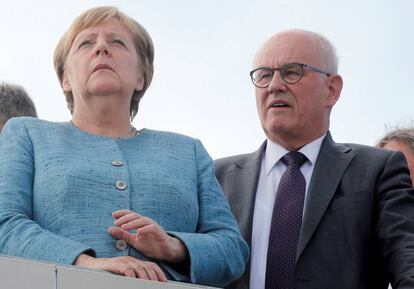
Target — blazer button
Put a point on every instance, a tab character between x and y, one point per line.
121	245
117	163
120	185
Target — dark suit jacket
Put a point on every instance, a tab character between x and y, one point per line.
358	226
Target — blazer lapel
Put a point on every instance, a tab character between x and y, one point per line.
242	182
333	159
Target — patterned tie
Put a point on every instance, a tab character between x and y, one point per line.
286	223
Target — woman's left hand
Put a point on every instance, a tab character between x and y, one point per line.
150	238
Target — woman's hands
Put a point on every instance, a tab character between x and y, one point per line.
150	238
125	265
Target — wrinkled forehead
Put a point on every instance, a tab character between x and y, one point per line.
288	48
110	28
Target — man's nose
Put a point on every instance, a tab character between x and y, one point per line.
277	84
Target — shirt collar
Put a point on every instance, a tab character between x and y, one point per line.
274	152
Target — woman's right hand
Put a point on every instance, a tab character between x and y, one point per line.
125	265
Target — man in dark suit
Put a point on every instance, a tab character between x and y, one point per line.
317	214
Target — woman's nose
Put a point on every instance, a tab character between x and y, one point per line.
102	48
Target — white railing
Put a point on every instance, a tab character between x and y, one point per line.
27	274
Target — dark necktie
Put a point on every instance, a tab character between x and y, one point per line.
286	224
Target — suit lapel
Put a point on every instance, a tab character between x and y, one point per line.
242	181
333	159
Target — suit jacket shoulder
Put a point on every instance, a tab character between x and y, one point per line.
250	161
358	208
233	162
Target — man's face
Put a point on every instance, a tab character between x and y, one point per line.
294	114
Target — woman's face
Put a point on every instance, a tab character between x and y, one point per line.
103	61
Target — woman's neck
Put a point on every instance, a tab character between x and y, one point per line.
109	122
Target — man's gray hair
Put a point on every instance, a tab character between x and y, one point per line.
14	101
328	53
327	50
404	135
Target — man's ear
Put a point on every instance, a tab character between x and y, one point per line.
335	84
65	83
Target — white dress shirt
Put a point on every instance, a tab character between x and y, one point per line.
271	171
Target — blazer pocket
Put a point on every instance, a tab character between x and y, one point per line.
347	199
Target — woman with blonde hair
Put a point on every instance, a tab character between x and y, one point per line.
98	193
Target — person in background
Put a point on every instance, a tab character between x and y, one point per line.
400	139
317	214
98	193
14	101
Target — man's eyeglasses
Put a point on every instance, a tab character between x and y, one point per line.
290	73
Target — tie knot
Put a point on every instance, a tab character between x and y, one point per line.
294	158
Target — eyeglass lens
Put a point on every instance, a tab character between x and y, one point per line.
290	73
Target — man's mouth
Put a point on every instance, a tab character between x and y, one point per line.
279	104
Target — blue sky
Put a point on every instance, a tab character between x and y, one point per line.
204	51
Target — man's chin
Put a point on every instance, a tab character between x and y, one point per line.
277	131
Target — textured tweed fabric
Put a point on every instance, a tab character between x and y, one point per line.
59	186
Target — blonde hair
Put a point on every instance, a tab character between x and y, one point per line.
93	17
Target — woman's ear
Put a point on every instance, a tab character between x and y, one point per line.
65	83
140	83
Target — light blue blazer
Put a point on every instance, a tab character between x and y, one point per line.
59	186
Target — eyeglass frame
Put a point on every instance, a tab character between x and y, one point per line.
273	70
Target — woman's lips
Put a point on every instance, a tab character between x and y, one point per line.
102	66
